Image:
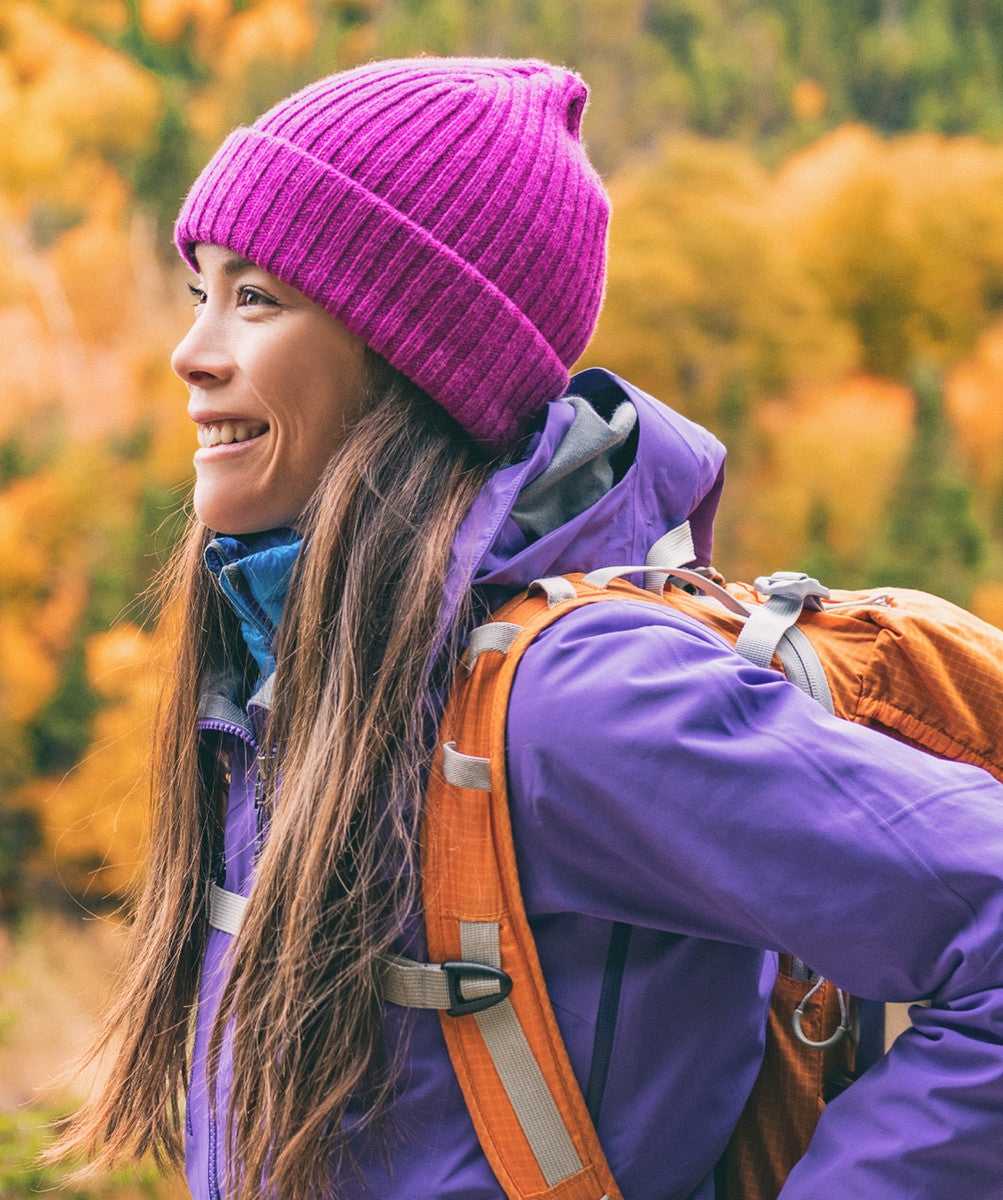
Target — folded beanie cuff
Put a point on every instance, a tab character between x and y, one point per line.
410	297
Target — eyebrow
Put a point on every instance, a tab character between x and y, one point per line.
232	265
236	263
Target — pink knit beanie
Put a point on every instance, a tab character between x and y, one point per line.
442	209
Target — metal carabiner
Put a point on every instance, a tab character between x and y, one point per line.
836	1037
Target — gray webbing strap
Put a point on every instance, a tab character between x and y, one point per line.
772	629
412	984
424	985
673	549
605	576
787	594
465	770
803	667
496	635
226	909
555	587
710	588
766	626
518	1070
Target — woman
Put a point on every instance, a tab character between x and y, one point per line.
396	267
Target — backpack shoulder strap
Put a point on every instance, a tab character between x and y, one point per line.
503	1039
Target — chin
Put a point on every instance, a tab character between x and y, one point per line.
235	511
227	518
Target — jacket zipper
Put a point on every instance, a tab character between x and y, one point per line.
238	731
609	1006
214	1190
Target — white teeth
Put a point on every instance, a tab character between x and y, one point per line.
227	432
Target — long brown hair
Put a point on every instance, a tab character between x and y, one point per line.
362	664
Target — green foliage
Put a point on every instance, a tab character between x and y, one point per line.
821	562
31	445
728	68
934	541
894	64
13	461
20	837
60	733
176	59
16	765
133	549
164	168
23	1137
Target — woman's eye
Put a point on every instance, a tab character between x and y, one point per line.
251	297
198	296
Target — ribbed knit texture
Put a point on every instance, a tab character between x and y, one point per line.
443	209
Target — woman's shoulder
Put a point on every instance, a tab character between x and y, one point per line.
631	645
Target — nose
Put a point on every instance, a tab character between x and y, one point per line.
201	357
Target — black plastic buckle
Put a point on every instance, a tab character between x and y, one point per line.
456	972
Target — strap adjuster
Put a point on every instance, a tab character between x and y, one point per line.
456	972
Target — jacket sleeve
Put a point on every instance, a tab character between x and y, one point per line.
659	779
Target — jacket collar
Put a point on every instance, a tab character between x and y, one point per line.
253	573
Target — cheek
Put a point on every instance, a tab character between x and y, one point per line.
319	408
311	433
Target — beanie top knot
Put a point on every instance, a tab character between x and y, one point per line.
444	210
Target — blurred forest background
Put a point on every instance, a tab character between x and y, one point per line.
807	256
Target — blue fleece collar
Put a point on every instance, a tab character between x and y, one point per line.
253	573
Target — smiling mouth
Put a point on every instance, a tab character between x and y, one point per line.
224	433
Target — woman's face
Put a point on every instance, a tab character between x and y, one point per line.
275	383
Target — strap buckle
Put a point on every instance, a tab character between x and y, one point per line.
456	972
793	585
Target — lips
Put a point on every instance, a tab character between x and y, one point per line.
225	433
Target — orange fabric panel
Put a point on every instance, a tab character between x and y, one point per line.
787	1100
469	874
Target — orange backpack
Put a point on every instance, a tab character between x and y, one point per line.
916	667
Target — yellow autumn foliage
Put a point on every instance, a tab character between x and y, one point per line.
29	375
809	99
704	286
28	672
95	818
93	264
839	445
974	395
29	539
108	17
168	20
269	31
904	237
63	95
987	601
44	576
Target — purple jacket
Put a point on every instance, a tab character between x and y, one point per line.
659	780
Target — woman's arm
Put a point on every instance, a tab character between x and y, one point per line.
659	779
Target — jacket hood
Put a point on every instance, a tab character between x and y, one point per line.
661	470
